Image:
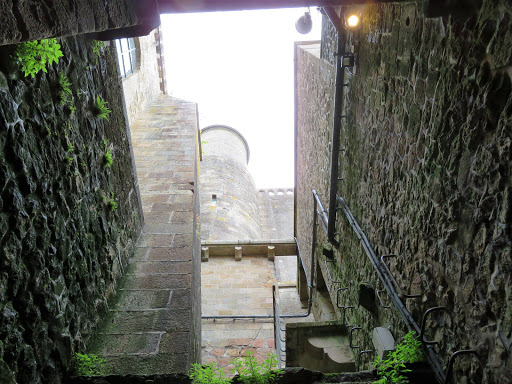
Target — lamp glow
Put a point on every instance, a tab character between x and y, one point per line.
352	21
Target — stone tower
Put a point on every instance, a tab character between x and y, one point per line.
229	205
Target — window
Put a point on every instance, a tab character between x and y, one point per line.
127	55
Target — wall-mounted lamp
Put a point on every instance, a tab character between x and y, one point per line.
352	21
304	24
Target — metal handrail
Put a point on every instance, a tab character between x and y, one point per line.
344	307
448	378
214	317
299	253
424	323
329	276
377	292
351	336
361	353
390	289
277	328
322	213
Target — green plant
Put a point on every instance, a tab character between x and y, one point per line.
69	152
207	374
88	365
392	369
203	142
112	203
34	55
97	46
103	110
108	159
252	372
66	95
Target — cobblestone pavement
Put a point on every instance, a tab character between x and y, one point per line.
148	330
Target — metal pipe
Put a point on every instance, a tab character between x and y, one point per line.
237	317
336	125
388	285
277	326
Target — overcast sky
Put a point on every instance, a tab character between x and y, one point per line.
238	66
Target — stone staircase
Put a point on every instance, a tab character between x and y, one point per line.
153	323
321	346
329	354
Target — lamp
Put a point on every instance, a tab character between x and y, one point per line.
352	21
304	24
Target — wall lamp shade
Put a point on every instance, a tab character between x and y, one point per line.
304	24
352	21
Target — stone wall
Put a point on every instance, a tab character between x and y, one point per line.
63	243
315	91
275	207
426	171
231	287
141	86
33	20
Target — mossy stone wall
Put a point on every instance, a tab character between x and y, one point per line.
62	243
426	166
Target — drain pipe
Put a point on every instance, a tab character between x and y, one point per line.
336	126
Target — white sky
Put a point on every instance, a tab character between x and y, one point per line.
238	66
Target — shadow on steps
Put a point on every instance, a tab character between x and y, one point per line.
290	376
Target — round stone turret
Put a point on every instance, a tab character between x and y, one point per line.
229	209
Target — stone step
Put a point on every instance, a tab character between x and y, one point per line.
330	354
327	341
340	359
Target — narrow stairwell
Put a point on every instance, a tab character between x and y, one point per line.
150	329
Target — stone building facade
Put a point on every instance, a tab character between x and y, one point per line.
425	165
147	81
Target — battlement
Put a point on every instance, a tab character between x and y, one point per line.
275	192
275	206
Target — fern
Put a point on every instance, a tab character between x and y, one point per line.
34	55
